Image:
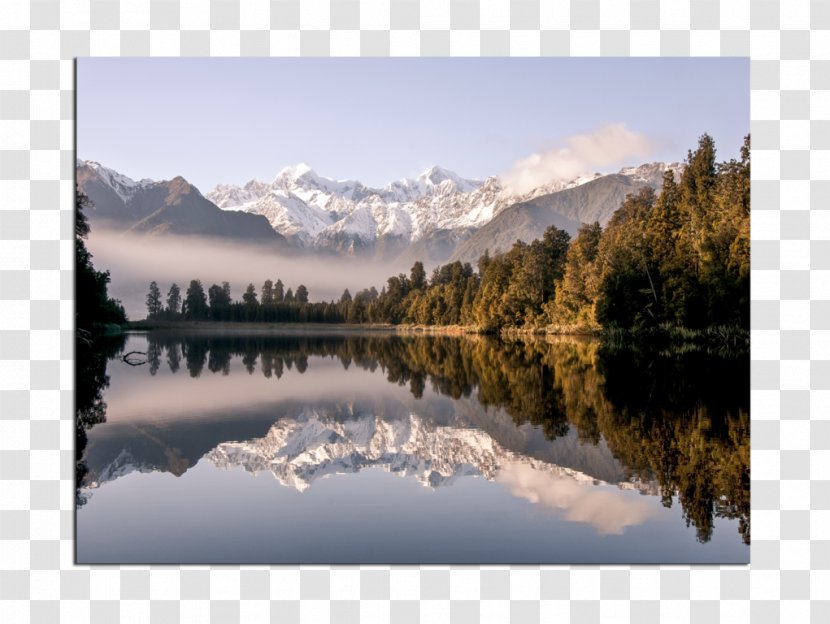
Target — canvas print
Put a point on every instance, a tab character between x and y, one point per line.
412	310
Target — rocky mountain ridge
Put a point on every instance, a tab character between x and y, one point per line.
435	217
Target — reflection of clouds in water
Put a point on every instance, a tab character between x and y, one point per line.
610	512
181	396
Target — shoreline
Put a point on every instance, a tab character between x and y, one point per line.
661	337
281	327
386	328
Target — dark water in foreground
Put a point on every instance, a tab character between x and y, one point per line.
254	447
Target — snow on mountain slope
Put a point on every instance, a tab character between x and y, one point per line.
348	217
345	215
405	208
230	197
291	216
125	187
433	181
652	173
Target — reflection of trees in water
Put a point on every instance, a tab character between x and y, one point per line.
174	356
90	380
154	357
684	421
681	421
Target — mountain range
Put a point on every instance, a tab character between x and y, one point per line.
167	207
436	217
312	442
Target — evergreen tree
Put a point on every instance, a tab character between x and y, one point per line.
418	277
279	294
250	303
668	254
289	296
267	293
483	262
626	296
725	251
489	305
698	182
195	302
302	294
93	305
470	290
577	291
249	296
174	299
390	303
535	270
154	306
219	301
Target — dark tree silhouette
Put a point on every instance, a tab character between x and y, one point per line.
195	302
93	305
174	299
154	305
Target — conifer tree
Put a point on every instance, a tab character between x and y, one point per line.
249	296
220	301
577	291
174	299
418	277
267	293
195	305
93	305
154	306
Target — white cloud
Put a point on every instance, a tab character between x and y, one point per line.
609	145
608	511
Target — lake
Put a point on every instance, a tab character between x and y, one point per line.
253	446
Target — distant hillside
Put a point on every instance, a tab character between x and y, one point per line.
567	210
173	207
435	218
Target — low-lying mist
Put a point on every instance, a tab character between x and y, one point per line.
135	260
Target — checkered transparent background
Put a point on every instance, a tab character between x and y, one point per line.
789	44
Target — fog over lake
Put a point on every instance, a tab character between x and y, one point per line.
135	260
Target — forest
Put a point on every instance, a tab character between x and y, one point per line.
674	259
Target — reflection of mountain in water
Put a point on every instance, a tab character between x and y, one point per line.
474	406
300	451
351	431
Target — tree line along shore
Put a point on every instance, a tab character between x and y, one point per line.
674	259
674	262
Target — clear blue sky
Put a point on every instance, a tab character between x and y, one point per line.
229	120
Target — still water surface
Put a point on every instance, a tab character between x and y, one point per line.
255	447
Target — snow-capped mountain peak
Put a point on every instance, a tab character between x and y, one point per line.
652	172
294	173
316	211
437	175
123	185
435	180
